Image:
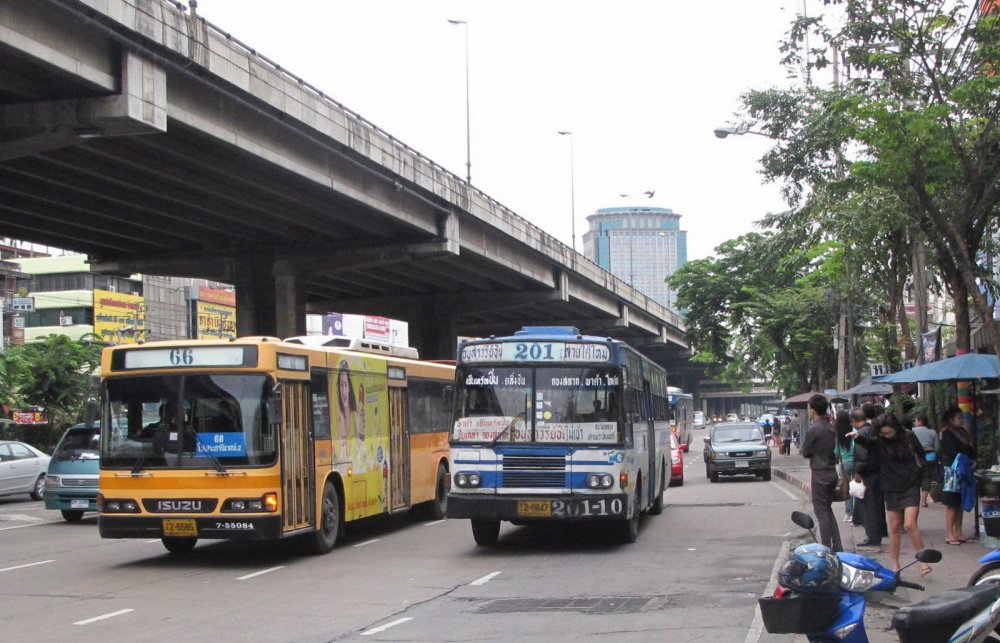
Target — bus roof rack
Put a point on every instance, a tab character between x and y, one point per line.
548	330
363	345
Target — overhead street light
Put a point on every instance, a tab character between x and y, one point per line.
572	186
468	138
726	130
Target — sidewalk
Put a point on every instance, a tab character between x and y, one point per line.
957	565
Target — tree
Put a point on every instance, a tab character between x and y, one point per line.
922	111
55	374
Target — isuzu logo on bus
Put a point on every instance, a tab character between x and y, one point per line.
179	505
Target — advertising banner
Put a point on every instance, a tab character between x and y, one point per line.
333	324
29	417
930	346
377	328
119	318
214	321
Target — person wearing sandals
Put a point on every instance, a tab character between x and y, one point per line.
901	459
844	450
955	439
929	441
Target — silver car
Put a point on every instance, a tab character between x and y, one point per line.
22	469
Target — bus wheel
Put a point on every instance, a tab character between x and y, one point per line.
629	527
486	532
657	508
72	515
325	537
179	545
439	508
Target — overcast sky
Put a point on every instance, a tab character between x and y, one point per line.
641	84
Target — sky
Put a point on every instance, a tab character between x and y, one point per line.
640	84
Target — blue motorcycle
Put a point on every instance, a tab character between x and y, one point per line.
822	594
990	570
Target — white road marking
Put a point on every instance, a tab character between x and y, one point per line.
41	562
785	491
103	616
436	522
263	571
485	579
382	628
32	524
368	542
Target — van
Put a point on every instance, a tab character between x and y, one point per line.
72	480
699	419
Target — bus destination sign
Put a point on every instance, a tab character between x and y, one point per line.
535	352
185	357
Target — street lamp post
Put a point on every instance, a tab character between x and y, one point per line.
572	186
468	137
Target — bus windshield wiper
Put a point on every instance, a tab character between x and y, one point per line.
507	428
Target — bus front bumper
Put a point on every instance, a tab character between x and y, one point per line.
534	508
234	527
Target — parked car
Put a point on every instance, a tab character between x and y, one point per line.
676	462
22	469
71	483
736	448
699	419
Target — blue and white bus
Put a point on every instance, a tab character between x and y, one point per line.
681	410
551	425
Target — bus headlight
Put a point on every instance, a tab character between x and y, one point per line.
118	506
466	480
600	481
267	502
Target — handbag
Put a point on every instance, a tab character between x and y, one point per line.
841	491
951	482
857	489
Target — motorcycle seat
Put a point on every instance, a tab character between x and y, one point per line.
937	617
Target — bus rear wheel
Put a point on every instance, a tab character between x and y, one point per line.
179	545
439	508
486	532
325	537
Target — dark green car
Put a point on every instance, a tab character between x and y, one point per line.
736	448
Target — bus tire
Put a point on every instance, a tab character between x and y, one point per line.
628	528
439	506
72	515
325	536
657	507
486	532
179	545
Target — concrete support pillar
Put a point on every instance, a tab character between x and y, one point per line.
289	300
253	276
433	333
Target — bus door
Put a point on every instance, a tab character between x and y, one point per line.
296	456
399	450
647	408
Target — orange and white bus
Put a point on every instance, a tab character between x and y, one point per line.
260	438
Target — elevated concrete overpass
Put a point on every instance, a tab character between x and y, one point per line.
136	132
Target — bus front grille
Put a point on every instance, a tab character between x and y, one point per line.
534	471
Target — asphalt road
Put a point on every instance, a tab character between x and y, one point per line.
694	574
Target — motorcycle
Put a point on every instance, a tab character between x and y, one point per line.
990	570
833	612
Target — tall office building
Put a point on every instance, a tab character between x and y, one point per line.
642	246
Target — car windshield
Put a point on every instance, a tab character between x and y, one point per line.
738	434
190	421
79	444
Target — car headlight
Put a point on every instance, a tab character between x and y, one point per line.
53	481
853	579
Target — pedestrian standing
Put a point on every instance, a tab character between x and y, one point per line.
929	441
767	432
955	439
866	469
818	446
786	436
844	451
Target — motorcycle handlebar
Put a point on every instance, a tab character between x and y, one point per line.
904	583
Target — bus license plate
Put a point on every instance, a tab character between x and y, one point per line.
179	528
540	508
742	464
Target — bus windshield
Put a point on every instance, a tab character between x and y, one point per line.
187	421
524	404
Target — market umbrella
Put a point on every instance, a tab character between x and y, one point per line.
971	366
801	400
867	387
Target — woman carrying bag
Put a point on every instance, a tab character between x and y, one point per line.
955	439
843	449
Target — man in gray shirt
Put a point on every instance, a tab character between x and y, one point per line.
818	446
